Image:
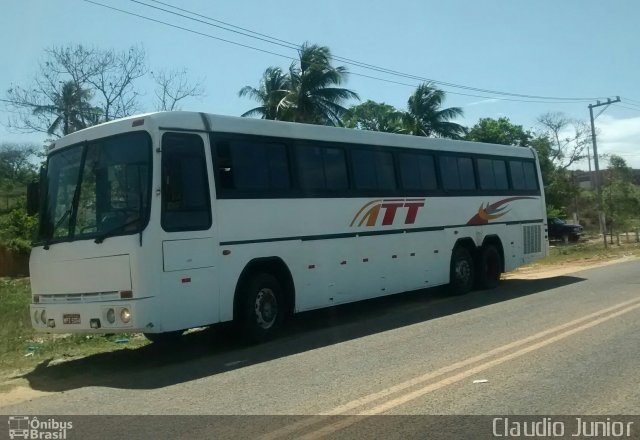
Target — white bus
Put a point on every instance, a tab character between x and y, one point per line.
169	221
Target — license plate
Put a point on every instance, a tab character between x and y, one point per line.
71	318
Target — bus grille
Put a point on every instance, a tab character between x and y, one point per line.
532	239
78	297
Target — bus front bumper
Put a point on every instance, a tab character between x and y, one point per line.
95	317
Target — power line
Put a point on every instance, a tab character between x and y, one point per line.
291	46
631	100
295	46
628	108
465	94
631	104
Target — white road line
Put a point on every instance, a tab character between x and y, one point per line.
358	403
386	406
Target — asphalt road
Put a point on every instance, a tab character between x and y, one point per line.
562	345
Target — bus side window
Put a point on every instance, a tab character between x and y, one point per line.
185	187
252	165
225	167
523	175
492	174
417	171
321	168
373	170
457	173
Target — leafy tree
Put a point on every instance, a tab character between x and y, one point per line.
307	93
17	229
375	116
270	94
499	131
425	117
620	198
18	163
18	166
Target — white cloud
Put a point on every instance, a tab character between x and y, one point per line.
483	101
620	137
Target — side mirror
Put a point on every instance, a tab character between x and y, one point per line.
33	198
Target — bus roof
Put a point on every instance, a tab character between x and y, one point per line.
184	120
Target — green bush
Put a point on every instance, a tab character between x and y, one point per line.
17	229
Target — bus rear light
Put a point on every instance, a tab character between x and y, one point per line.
43	316
94	323
137	122
51	323
126	294
36	316
111	316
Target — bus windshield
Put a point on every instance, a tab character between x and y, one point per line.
97	188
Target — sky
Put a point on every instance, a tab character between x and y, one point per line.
569	49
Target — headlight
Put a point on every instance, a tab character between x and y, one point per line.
36	316
43	316
125	315
111	316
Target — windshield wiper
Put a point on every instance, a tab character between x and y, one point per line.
61	220
100	238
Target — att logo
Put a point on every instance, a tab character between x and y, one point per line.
368	215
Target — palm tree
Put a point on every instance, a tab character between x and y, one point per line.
274	87
424	117
71	109
313	97
307	93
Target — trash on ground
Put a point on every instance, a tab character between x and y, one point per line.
121	341
480	381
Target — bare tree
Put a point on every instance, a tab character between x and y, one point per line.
107	76
112	76
173	86
568	138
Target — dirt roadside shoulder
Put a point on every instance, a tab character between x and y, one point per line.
538	271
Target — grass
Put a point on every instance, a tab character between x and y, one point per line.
21	348
590	250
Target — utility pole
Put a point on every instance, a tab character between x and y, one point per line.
601	219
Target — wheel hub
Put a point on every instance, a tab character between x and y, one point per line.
266	308
463	270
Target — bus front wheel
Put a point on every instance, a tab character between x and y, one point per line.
462	271
261	310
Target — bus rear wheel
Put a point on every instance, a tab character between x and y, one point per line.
489	268
261	307
461	271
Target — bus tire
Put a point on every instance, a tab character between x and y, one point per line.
166	338
461	271
489	268
261	307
